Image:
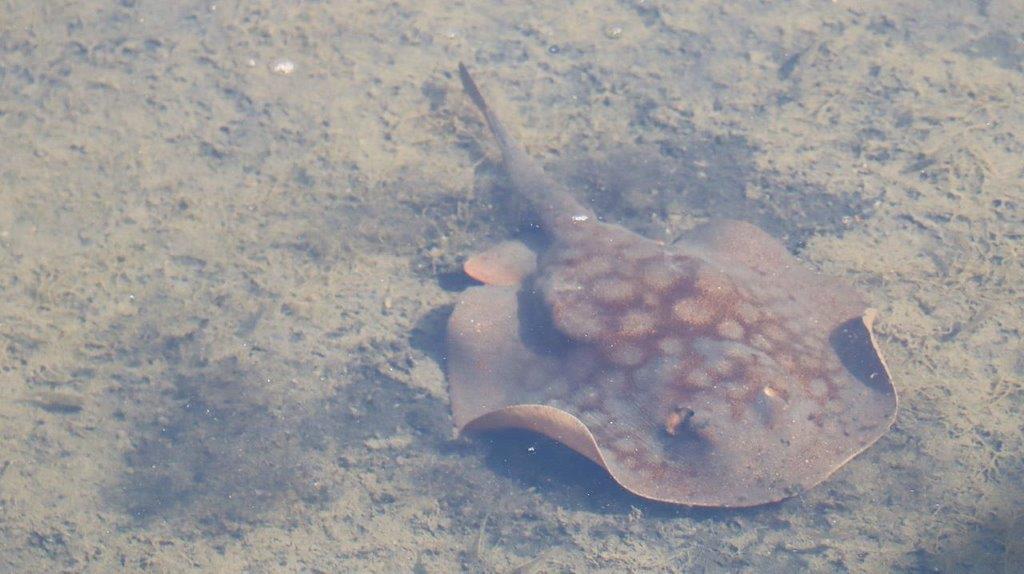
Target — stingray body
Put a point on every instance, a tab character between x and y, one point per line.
716	371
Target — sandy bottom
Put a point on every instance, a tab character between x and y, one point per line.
230	237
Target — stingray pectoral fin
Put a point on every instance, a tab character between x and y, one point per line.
543	419
506	264
489	365
485	354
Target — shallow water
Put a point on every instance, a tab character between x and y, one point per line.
231	236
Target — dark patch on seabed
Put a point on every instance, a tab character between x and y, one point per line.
213	454
642	185
218	456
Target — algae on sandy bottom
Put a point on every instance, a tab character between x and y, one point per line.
245	275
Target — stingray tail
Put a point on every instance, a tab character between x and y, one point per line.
555	205
470	86
504	140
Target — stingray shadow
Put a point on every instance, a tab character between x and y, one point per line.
853	345
572	481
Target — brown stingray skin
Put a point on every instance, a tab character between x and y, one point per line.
718	371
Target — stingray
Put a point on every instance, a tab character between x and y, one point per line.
714	371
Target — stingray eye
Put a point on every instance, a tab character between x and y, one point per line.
774	394
771	405
678	419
